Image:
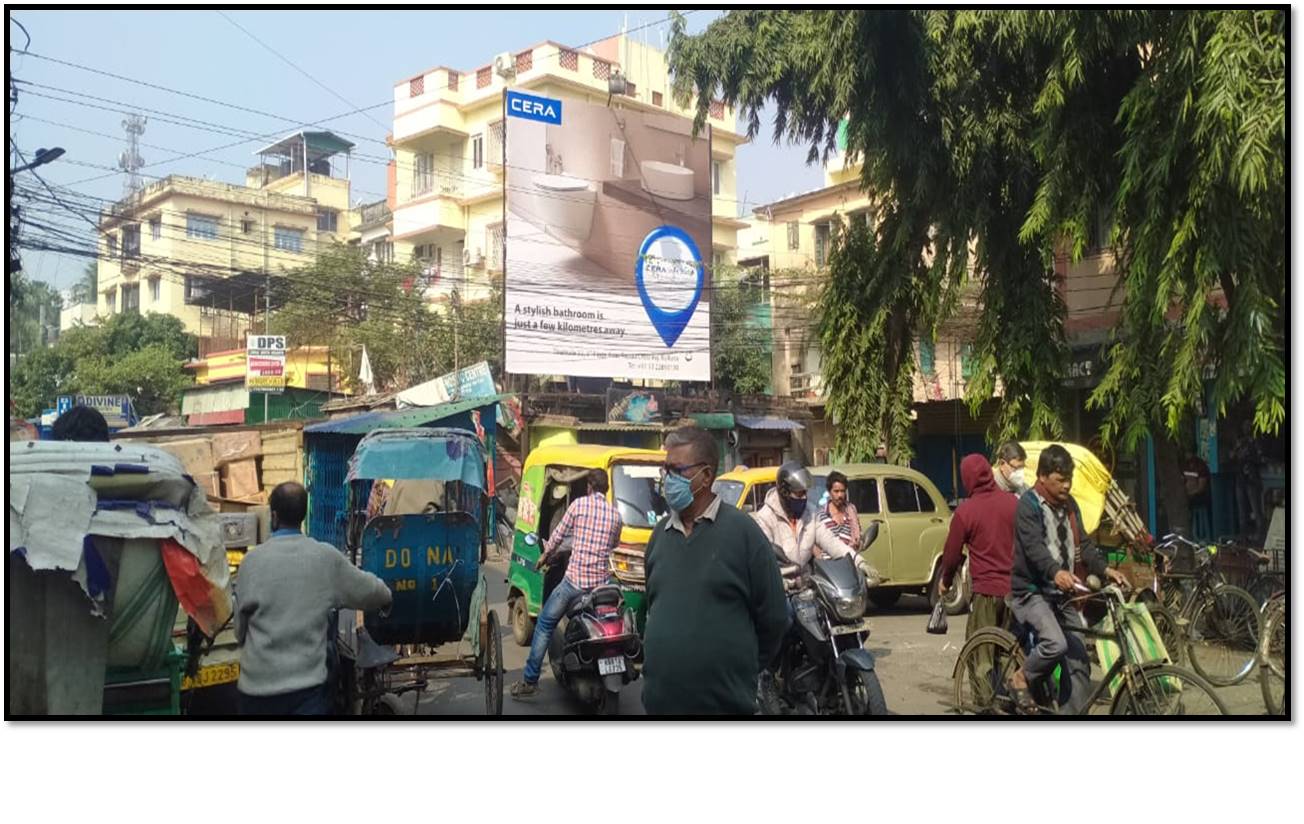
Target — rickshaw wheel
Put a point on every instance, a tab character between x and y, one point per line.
493	667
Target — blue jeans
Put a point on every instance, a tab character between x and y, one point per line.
553	611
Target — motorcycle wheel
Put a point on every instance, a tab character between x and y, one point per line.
609	704
866	693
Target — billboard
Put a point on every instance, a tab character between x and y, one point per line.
265	363
608	242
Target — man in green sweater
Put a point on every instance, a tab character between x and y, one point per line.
716	608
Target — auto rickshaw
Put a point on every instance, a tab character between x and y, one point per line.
552	478
428	544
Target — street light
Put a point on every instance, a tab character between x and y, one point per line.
43	156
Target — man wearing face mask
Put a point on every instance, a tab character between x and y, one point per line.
795	529
1009	469
716	611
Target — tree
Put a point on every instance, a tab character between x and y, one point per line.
737	362
31	302
990	140
86	289
142	356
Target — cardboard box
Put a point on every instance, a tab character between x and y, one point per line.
195	454
240	479
229	447
211	484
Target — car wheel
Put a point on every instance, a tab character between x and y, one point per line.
960	593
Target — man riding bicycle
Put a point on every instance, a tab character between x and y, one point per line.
1048	539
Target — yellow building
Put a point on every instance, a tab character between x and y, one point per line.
447	178
202	250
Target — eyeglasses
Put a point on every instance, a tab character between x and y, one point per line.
681	471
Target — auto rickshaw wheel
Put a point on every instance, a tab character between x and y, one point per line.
522	623
492	645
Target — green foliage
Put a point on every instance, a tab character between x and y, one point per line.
740	348
990	141
26	300
346	301
142	356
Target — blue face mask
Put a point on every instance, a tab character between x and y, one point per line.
678	491
796	507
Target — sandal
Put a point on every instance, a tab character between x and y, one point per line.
1023	700
524	689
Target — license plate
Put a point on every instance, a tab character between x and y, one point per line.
611	666
212	675
847	629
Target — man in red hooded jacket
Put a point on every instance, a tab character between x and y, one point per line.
984	523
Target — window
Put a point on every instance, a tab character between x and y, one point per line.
494	240
247	226
156	227
383	251
494	147
821	244
327	220
154	290
656	99
202	227
967	362
861	492
477	152
111	300
113	244
425	253
630	89
131	298
423	174
290	240
729	491
715	177
906	496
794	235
759	491
636	490
131	241
1098	231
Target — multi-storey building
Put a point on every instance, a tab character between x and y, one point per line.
447	179
203	250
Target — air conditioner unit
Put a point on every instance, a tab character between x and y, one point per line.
505	65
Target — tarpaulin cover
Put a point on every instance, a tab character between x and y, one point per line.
757	422
432	454
61	493
1090	479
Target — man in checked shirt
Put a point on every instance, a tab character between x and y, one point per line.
593	526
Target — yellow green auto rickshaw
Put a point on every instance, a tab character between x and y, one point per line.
553	477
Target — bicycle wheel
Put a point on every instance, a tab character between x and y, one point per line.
989	657
1272	659
1169	632
1223	636
1163	689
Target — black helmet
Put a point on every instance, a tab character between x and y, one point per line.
793	477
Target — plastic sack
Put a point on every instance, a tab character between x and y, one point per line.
937	620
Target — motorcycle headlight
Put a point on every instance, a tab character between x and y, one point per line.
851	608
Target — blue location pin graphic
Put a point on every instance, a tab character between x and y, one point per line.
669	276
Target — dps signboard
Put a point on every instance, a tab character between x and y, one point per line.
265	363
608	242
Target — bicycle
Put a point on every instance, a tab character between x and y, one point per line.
1272	655
1140	687
1220	623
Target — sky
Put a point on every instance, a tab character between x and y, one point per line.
355	56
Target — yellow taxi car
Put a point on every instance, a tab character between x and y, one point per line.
912	515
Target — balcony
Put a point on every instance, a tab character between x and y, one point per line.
428	213
807	386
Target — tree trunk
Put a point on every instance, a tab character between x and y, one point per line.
1171	486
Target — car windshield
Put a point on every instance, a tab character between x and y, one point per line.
638	500
729	491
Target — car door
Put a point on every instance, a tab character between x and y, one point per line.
863	493
914	518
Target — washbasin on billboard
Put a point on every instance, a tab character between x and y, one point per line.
667	180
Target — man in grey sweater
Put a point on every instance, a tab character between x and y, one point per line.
287	589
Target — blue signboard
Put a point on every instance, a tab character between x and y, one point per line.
529	107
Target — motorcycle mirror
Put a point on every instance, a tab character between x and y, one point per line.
869	536
531	539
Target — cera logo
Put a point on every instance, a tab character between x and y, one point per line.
543	109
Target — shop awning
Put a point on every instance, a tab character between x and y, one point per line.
400	419
768	423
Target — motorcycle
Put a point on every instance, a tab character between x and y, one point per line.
595	646
823	667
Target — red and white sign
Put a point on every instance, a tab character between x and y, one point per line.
265	363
